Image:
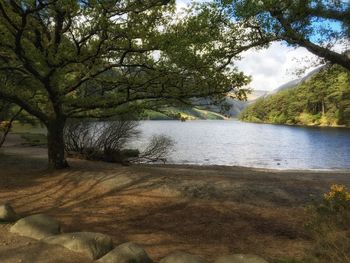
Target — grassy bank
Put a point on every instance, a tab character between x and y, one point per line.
172	113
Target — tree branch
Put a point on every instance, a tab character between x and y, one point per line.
23	104
293	37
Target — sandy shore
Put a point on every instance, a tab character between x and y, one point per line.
207	211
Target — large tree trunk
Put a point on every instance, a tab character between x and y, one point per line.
55	144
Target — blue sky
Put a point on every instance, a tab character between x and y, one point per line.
273	66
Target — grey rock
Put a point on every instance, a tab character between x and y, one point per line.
181	257
126	253
240	258
94	245
36	226
7	213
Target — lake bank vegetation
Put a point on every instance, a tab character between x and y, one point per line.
322	100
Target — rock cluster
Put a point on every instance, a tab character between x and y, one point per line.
99	246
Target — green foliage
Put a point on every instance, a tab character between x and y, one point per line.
121	53
175	113
334	209
154	115
322	100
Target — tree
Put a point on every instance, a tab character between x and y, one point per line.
75	58
313	24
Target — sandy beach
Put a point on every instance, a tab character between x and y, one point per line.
204	210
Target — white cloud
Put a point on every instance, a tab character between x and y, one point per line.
182	3
275	65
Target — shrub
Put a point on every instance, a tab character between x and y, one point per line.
157	150
130	153
309	119
79	137
120	156
114	135
107	141
99	140
330	226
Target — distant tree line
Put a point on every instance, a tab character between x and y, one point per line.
324	99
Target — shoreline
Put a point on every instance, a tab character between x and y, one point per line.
39	152
248	168
297	125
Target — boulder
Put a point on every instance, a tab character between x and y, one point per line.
181	257
240	258
36	226
7	213
94	245
126	253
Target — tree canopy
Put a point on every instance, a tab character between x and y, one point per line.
70	58
316	25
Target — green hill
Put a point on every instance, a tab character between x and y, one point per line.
321	100
185	113
205	109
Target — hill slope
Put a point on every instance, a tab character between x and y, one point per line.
206	109
321	99
294	83
187	113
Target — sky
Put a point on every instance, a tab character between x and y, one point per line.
271	67
276	65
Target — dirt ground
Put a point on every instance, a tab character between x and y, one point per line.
207	211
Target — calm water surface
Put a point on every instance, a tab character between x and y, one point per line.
253	145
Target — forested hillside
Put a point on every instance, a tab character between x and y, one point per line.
323	99
205	109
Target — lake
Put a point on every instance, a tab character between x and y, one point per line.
253	145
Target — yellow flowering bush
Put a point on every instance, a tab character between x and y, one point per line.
338	192
336	202
330	226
